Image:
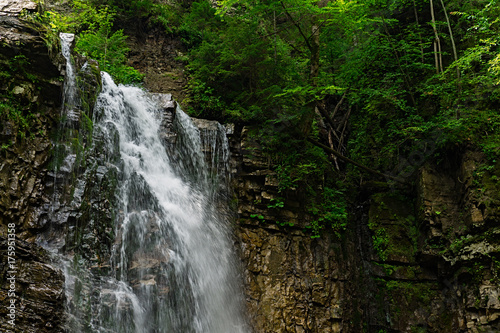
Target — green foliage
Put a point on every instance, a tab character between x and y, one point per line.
50	24
199	24
412	292
108	48
19	66
285	224
208	105
251	63
10	110
257	216
239	61
92	22
330	213
276	203
459	243
82	16
16	106
381	243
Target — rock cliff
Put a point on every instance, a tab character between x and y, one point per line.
31	293
294	283
417	259
424	258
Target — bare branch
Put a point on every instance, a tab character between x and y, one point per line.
348	160
306	39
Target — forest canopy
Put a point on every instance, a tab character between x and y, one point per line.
322	82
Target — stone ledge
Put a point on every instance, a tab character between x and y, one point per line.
15	7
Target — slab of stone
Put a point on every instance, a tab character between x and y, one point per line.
204	124
15	7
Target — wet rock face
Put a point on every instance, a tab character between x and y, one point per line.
460	213
37	291
167	105
403	291
431	256
32	78
294	284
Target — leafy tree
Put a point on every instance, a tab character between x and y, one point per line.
108	48
353	80
92	23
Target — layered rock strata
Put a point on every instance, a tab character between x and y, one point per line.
294	283
31	291
422	258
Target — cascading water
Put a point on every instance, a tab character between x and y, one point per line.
171	267
64	153
70	97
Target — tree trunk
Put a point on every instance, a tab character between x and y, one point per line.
308	117
314	55
455	55
419	34
437	43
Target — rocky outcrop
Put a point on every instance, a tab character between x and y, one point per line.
433	263
159	57
460	210
15	7
31	292
294	283
429	254
29	68
419	259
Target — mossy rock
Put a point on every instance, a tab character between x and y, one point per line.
490	195
392	223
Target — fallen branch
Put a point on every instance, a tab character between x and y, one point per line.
337	107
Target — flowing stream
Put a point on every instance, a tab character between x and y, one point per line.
172	266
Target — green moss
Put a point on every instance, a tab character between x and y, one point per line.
421	293
380	242
405	272
418	329
19	96
393	226
399	300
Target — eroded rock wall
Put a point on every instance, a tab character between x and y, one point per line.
460	211
433	252
31	290
420	258
294	283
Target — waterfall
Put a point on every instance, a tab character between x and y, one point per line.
173	254
70	97
172	267
64	153
141	226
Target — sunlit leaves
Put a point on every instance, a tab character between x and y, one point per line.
108	47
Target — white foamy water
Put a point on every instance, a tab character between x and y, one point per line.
173	267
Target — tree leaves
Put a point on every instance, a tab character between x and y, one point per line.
108	47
